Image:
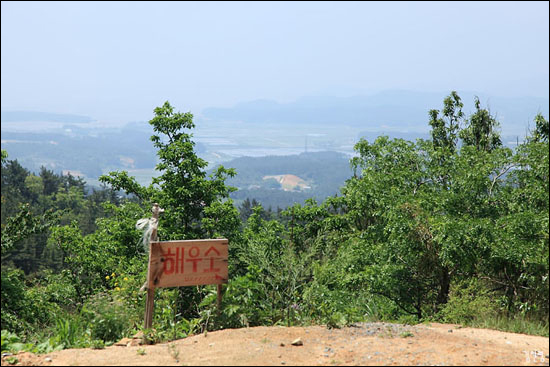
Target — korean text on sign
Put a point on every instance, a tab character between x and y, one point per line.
193	262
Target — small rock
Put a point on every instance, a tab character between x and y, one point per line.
282	344
283	362
297	342
6	355
195	341
211	344
508	342
450	330
47	359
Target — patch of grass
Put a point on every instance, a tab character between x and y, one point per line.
472	304
518	324
141	351
97	344
406	334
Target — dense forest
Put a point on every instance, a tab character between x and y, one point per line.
453	228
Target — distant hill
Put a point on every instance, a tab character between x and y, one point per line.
90	155
393	110
21	116
308	175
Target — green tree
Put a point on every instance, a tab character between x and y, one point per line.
196	205
541	129
50	180
426	215
444	131
480	130
183	188
113	247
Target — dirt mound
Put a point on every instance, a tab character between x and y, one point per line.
289	182
360	344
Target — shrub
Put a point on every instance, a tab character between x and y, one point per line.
69	333
11	342
106	317
469	300
13	300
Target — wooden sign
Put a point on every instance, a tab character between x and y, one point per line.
190	262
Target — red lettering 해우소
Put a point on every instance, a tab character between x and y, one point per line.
179	260
175	261
212	269
212	248
168	258
193	260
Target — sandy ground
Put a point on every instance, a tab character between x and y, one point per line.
361	344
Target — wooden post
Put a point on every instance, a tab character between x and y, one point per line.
149	307
150	300
219	300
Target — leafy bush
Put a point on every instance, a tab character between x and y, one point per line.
469	300
13	300
11	342
106	317
245	302
168	322
69	333
28	309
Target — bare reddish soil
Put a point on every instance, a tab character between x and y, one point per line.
362	344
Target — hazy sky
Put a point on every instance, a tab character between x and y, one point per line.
119	60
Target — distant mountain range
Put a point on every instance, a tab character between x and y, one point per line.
389	110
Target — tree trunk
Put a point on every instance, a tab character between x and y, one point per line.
444	283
